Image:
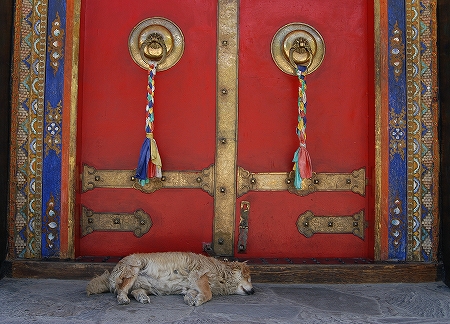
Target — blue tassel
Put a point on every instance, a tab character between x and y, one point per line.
298	178
144	158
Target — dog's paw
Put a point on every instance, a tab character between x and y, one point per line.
194	298
191	297
123	299
141	296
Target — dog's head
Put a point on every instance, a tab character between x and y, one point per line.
241	274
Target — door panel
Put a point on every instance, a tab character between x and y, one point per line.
337	130
112	120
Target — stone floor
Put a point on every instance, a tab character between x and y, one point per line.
64	301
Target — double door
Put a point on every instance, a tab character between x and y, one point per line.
225	119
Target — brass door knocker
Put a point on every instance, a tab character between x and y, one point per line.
154	49
156	40
300	53
297	44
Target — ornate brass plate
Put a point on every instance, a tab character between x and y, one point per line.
171	34
308	224
93	178
226	128
284	40
249	181
139	222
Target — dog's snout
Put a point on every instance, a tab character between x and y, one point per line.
250	292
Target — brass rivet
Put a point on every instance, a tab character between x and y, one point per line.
198	179
288	181
142	222
253	180
133	178
220	241
349	181
316	181
330	224
116	221
355	224
306	224
90	220
222	189
241	248
223	140
163	178
97	178
224	43
224	91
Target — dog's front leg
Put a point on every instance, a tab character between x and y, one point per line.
123	286
202	295
141	296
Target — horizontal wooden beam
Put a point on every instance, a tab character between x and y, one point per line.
261	273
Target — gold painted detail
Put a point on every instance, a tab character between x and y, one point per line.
354	182
226	128
139	222
53	129
93	178
397	53
56	44
308	224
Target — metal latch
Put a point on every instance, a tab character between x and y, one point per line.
243	227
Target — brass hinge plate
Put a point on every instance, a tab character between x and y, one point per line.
92	178
308	224
354	182
139	222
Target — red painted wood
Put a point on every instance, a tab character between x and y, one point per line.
112	120
340	106
340	122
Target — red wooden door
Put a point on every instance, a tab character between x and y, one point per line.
112	91
339	122
112	104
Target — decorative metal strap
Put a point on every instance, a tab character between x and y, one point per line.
308	224
139	222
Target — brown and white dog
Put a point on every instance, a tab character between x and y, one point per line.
195	276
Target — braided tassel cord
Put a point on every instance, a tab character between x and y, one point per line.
302	160
149	164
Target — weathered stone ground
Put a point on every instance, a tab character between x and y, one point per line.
64	301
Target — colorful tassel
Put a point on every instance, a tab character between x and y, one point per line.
302	160
149	164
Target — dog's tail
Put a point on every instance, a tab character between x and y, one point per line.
99	284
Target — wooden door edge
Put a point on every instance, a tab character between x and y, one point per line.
383	272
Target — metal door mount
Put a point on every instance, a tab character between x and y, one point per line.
308	224
92	178
243	226
354	182
156	39
297	44
139	222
